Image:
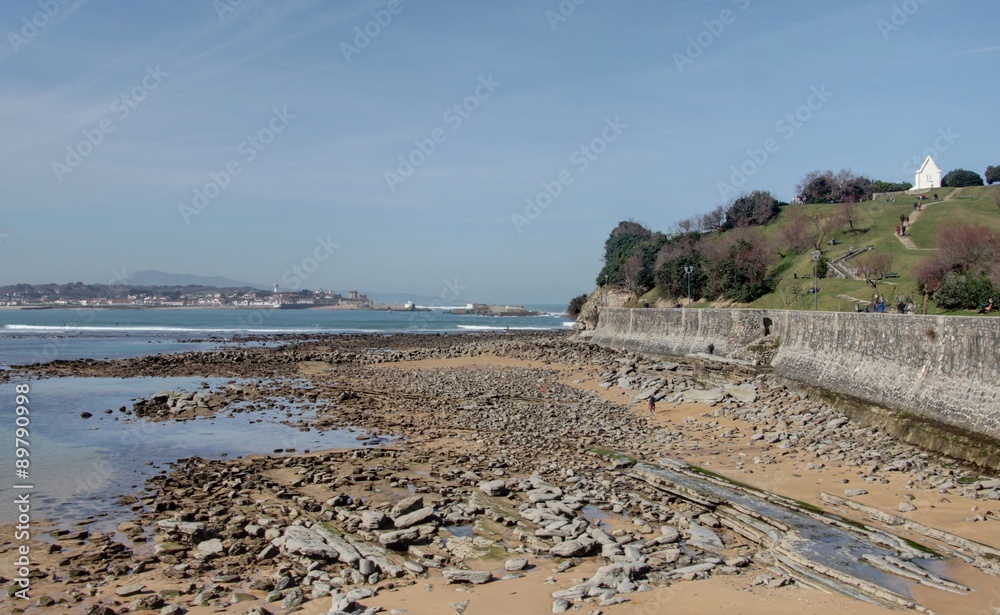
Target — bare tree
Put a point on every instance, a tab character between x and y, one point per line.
632	272
875	266
795	232
849	212
930	274
712	221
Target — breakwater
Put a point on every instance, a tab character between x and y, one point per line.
931	380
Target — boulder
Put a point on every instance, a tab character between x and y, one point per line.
493	487
578	547
476	577
298	540
415	517
406	505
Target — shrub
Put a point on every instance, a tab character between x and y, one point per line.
964	291
992	174
576	306
959	178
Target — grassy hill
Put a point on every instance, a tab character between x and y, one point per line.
876	223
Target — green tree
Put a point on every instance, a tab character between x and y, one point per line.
992	174
960	178
880	186
576	306
754	209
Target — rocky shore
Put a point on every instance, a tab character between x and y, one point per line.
494	461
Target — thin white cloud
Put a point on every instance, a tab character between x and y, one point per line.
992	49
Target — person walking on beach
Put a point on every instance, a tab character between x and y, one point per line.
651	404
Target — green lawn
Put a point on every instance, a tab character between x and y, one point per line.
876	223
975	205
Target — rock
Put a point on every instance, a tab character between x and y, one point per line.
710	396
100	609
745	393
694	569
906	507
399	537
460	606
415	517
851	493
476	577
515	564
561	606
129	590
188	528
146	603
293	599
298	540
669	535
613	575
406	505
704	538
372	519
493	487
210	547
256	610
577	547
172	609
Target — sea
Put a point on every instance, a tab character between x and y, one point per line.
76	470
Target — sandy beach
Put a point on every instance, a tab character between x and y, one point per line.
485	432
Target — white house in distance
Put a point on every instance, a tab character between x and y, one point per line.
929	176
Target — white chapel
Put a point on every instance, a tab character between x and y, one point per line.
929	176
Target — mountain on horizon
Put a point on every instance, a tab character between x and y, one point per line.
152	277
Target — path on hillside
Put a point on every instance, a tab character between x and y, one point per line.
905	239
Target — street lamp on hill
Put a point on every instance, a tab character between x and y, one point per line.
688	270
816	255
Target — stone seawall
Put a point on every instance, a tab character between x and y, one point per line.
942	369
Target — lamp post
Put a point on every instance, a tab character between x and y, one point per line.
816	255
688	271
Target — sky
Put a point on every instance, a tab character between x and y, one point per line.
476	151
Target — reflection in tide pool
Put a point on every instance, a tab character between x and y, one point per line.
81	467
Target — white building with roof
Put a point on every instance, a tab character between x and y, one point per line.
928	176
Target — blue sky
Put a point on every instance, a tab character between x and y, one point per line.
415	157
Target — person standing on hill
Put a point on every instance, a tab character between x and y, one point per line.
651	404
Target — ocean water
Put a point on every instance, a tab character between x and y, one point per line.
37	336
79	468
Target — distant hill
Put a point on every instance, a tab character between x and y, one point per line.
151	277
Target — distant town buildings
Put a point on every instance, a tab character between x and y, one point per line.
53	297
